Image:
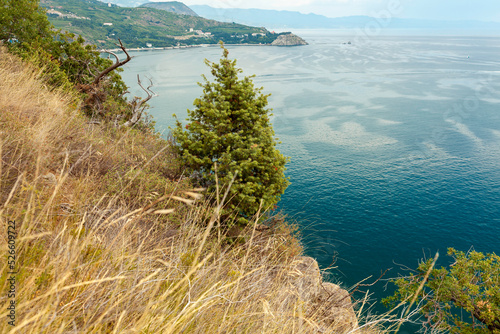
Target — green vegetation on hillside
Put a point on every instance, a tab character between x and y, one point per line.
102	25
68	62
171	6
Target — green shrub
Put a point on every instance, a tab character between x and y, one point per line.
229	133
465	298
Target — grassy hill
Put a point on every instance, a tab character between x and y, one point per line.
102	24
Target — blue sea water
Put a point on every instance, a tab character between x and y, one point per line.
394	140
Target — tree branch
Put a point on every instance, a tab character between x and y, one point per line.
138	104
113	67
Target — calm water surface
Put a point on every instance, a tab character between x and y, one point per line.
394	141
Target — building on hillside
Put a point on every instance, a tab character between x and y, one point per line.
201	33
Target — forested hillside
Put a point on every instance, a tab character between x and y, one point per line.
102	24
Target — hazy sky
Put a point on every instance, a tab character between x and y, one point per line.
485	10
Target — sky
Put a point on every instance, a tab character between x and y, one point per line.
483	10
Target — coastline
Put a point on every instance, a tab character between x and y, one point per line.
289	39
182	47
282	40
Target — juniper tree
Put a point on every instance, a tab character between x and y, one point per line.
230	128
464	298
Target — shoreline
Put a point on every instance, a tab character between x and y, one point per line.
289	39
181	47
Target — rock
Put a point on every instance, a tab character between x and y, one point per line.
307	278
330	303
336	306
288	40
333	293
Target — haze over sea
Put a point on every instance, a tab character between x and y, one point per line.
394	140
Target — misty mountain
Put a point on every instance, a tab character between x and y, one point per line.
288	19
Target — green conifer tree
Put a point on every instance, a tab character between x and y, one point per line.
230	128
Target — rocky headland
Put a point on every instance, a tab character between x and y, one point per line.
289	40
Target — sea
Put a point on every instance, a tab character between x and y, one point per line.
394	140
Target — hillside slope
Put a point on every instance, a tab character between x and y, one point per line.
171	6
111	237
102	24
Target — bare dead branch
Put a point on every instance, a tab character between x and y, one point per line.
138	104
113	67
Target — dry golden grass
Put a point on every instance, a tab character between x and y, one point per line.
105	243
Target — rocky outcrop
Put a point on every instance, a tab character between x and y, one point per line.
335	303
307	278
330	303
288	40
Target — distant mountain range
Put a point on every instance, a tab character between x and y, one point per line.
295	20
277	19
282	19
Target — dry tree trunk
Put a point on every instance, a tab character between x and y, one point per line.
138	105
